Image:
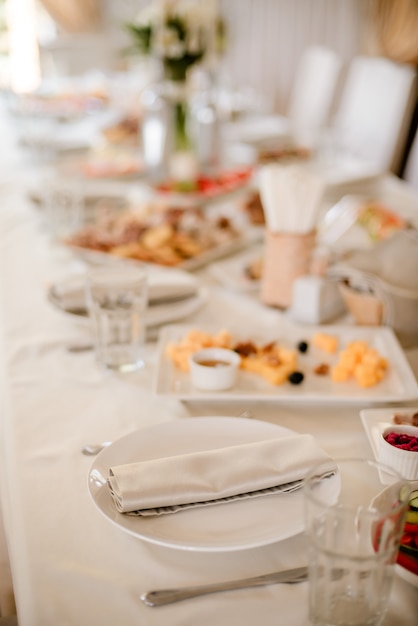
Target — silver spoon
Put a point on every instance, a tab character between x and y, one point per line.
94	448
167	596
80	347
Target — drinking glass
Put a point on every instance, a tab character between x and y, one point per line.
117	302
354	523
64	206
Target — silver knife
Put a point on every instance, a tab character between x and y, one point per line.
168	596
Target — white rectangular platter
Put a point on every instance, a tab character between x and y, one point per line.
398	385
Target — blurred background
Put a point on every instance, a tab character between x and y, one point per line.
264	41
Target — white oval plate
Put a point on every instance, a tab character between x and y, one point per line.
228	526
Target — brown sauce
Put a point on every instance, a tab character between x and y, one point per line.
213	363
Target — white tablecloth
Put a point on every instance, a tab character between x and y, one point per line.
70	565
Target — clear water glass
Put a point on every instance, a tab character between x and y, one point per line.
354	523
117	302
63	201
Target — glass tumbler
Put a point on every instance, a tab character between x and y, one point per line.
117	302
63	200
354	522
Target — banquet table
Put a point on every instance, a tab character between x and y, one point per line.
70	566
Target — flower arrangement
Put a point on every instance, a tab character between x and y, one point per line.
178	32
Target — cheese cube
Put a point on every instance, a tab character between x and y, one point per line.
328	343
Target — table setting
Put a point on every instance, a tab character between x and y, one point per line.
183	443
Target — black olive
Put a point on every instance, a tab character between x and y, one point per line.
296	378
303	346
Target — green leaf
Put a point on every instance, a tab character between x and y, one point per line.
142	36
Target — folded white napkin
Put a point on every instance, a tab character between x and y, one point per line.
162	286
169	484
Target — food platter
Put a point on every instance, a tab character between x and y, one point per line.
398	385
171	237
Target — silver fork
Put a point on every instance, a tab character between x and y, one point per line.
91	449
168	596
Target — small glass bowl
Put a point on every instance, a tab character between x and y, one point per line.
405	461
214	369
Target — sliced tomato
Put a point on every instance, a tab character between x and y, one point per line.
407	561
408	539
211	185
411	528
208	185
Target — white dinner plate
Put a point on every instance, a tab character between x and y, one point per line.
224	527
399	383
157	314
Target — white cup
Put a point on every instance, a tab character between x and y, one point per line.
117	302
214	369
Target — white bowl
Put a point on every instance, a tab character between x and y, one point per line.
404	461
214	369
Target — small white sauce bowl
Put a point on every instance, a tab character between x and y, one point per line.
404	461
214	369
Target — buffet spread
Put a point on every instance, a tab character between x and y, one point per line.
86	536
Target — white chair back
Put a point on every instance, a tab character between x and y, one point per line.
313	91
375	110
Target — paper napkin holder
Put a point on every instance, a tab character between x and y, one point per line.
287	256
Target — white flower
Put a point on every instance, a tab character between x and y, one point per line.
194	42
191	13
196	18
168	44
201	13
149	15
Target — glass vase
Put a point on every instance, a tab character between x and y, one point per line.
171	133
182	162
